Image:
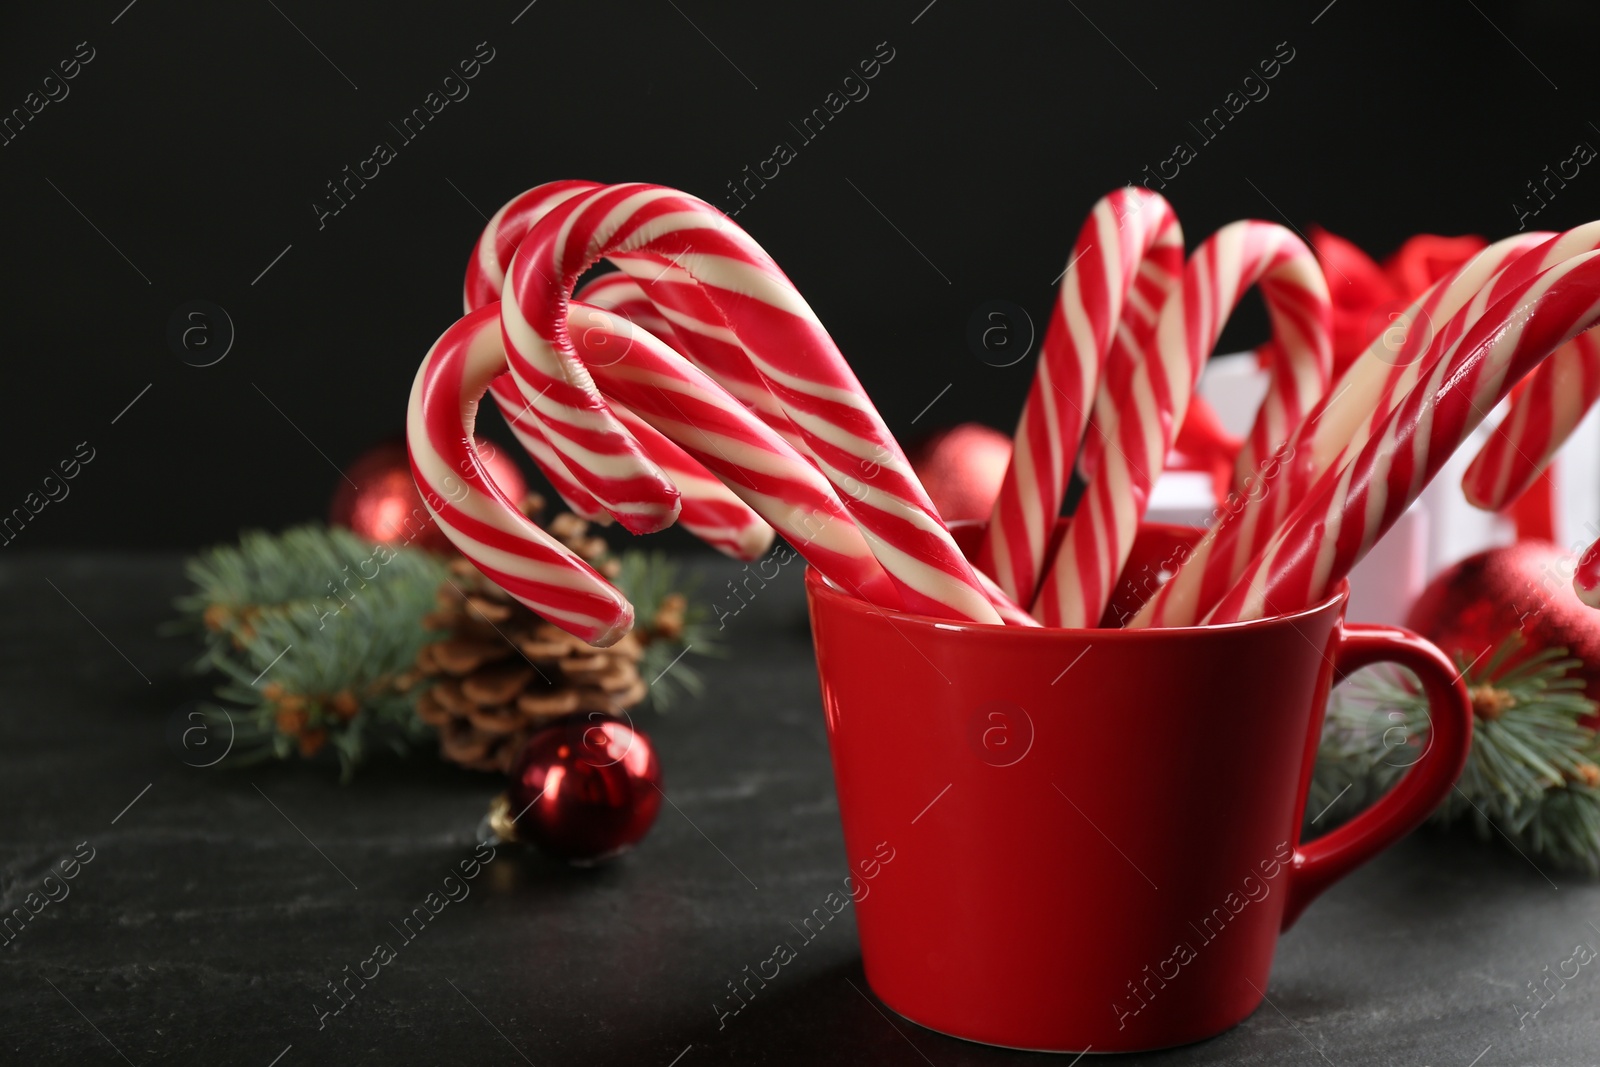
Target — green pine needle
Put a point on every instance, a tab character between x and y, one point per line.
1526	775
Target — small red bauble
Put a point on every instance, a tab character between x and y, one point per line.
586	788
378	499
962	469
1470	608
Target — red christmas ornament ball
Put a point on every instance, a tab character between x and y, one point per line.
1473	606
378	499
962	469
586	788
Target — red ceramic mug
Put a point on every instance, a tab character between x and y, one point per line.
1095	833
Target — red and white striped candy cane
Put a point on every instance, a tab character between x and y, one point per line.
1352	506
681	402
486	268
708	509
643	495
1545	409
705	339
1129	254
702	334
619	294
1586	580
1129	344
780	336
678	402
1334	431
519	416
1139	417
472	511
711	511
743	451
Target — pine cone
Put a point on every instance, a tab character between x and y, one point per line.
502	672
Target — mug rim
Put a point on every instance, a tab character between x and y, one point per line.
818	585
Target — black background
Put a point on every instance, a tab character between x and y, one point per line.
200	135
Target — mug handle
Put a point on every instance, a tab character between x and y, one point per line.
1318	865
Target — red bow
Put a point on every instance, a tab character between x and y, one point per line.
1368	297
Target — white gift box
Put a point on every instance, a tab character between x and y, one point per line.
1439	529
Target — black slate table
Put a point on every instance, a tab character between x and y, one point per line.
219	903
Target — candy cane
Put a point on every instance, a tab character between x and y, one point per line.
689	406
1463	298
1351	507
1586	579
669	398
711	511
491	255
681	402
776	331
708	509
1333	432
1545	410
485	276
673	295
702	334
472	511
1138	417
1129	253
1548	410
518	414
619	294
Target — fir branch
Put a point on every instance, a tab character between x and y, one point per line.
1532	772
314	631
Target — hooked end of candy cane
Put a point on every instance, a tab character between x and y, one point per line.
1488	493
1473	490
751	543
608	621
648	518
1586	578
618	630
1478	483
